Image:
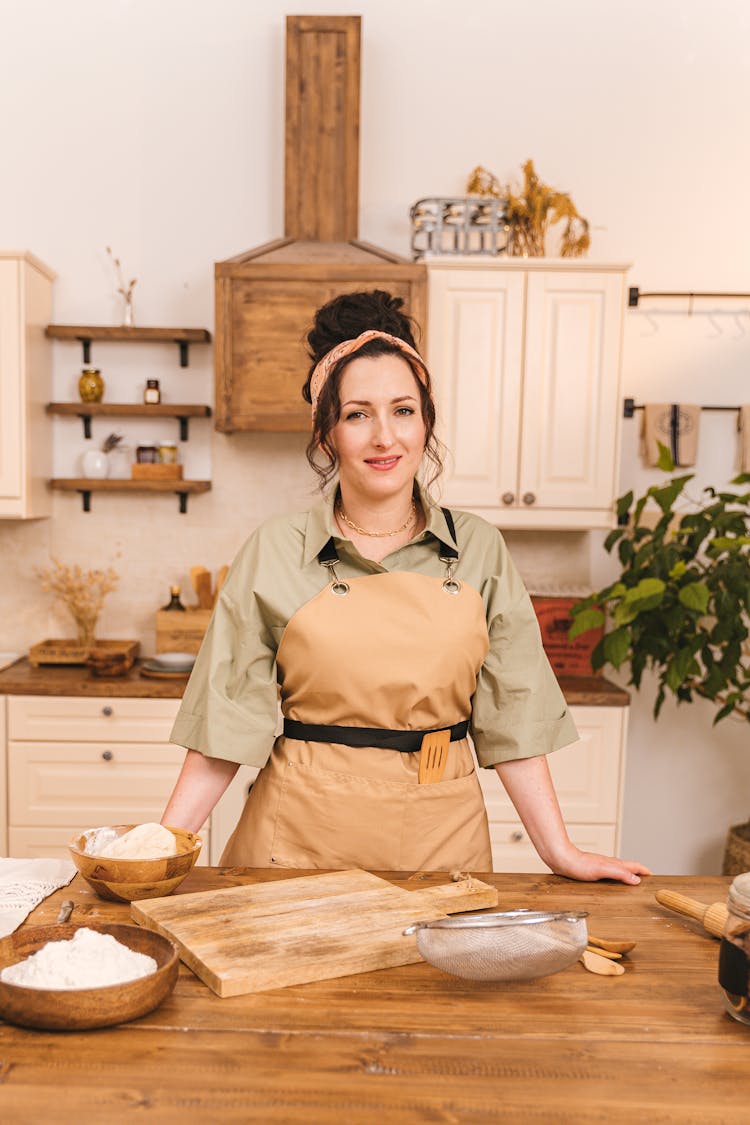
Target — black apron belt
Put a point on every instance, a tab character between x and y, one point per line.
406	741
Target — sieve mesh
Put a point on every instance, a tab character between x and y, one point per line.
504	952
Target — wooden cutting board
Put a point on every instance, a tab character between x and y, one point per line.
269	935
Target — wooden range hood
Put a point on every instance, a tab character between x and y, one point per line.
266	298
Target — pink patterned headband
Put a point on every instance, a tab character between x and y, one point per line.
348	347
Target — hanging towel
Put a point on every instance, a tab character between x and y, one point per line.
743	425
674	425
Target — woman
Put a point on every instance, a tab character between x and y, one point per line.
393	628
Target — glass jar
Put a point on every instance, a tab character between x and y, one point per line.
147	454
91	385
734	955
167	453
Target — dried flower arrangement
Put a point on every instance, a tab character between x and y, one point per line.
82	592
532	210
125	291
111	442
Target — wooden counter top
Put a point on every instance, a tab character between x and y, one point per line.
411	1043
22	678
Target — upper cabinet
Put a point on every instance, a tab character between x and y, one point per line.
25	386
525	357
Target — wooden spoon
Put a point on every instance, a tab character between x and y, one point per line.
596	964
612	946
604	953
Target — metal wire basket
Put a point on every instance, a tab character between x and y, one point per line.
513	945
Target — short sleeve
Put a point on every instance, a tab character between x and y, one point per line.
518	710
229	709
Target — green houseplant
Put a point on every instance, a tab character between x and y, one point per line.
680	606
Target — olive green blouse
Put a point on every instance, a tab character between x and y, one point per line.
230	710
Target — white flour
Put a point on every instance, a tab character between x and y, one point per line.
145	841
88	960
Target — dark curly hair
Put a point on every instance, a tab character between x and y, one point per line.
345	318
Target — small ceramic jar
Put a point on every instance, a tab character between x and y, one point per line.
91	385
167	453
147	454
734	955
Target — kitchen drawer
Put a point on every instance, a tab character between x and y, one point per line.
47	718
587	775
512	850
89	784
43	843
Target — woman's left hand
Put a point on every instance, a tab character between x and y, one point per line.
589	866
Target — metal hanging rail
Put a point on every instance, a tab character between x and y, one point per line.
635	296
629	407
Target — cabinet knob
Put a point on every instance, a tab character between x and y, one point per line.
517	836
108	710
508	498
529	498
107	755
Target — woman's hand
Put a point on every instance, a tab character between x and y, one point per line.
589	866
530	788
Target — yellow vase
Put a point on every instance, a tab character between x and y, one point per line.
91	385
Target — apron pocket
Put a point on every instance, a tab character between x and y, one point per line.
327	819
446	827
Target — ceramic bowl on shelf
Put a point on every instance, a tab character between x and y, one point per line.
173	661
77	1009
123	880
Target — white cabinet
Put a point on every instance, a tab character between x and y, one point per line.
525	357
588	779
77	762
25	386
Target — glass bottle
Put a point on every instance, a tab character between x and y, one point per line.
734	955
174	601
91	385
152	394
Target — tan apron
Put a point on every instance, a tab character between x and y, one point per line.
400	652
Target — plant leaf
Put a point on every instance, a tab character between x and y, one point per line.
584	621
617	646
695	595
665	462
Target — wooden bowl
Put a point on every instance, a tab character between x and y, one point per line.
122	880
76	1009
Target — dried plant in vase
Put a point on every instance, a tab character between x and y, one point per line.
82	592
125	291
532	210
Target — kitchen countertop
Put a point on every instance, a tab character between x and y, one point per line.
23	678
408	1044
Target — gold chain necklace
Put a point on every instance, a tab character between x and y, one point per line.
377	534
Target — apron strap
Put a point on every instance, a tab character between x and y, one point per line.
406	741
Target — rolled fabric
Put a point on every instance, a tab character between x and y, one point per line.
673	424
743	427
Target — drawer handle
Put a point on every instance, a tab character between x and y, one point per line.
108	710
517	836
529	498
107	755
508	497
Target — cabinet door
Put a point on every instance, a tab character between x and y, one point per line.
11	397
569	437
475	356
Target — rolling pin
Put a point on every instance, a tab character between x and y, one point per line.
712	917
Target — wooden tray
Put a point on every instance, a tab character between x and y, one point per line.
58	652
156	472
113	658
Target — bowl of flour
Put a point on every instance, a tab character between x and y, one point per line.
74	977
123	862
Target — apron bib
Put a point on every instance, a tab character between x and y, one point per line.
396	651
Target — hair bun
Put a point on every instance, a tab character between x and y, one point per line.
348	315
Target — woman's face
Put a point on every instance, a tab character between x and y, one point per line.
380	436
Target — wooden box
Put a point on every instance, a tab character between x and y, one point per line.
181	632
569	658
101	653
155	472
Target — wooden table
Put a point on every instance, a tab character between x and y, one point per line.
652	1047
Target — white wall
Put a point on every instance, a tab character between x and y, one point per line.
156	126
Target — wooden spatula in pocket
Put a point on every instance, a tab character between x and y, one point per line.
433	755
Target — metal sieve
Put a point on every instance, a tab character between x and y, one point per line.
513	945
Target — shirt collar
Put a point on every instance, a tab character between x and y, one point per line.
320	524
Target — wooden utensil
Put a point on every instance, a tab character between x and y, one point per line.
268	935
433	755
597	964
604	953
203	589
221	574
712	918
612	946
195	573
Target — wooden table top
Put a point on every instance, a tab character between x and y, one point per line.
651	1047
22	678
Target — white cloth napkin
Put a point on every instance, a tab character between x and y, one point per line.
24	883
